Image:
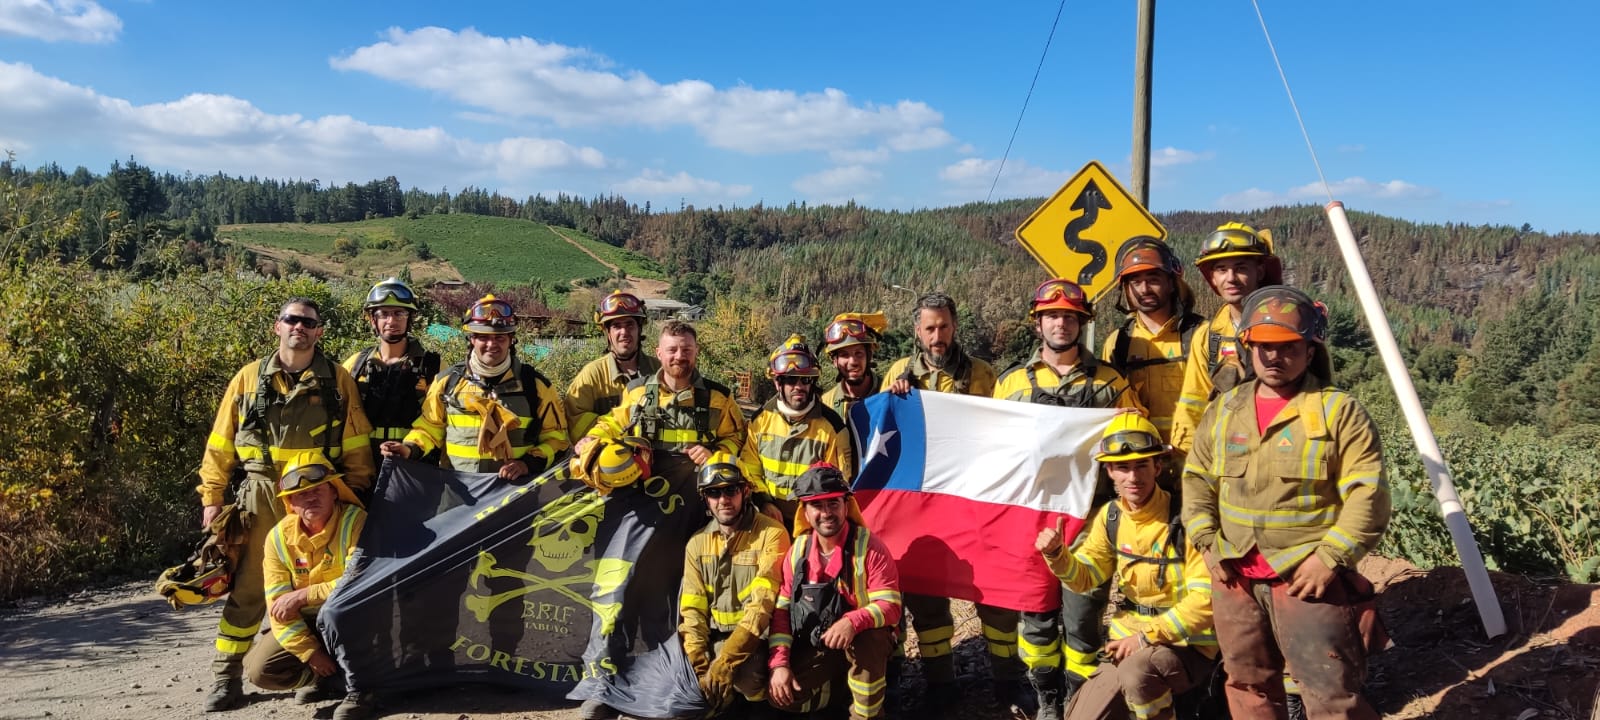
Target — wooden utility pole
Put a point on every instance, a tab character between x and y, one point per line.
1143	51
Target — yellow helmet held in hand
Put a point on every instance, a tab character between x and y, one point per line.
1130	436
609	464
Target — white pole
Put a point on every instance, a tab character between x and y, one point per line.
1455	518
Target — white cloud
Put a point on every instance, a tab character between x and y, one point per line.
657	185
81	21
839	184
1171	156
1348	188
970	179
208	133
523	77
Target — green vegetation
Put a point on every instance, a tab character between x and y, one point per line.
631	263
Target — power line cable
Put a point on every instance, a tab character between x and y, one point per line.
1314	161
1025	100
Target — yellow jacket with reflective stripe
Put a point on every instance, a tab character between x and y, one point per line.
730	582
540	429
1197	383
726	420
294	560
980	382
295	423
1313	483
1157	386
777	452
1185	588
597	389
1109	389
839	403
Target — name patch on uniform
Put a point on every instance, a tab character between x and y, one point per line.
748	557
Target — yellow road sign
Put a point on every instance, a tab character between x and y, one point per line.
1077	232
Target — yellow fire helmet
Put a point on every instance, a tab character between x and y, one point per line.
1130	436
854	328
194	583
793	358
303	471
609	464
1236	239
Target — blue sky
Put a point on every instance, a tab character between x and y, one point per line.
1465	111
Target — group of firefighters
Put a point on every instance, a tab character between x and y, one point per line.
1237	493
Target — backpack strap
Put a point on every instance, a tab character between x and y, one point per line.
1174	553
1119	347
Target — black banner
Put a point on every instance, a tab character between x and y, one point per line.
544	585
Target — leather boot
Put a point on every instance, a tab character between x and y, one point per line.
356	705
1049	687
226	693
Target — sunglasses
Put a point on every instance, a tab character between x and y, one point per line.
309	323
1234	240
842	329
1131	441
720	492
787	380
1055	290
303	478
620	303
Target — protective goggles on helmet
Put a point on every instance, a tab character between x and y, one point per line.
849	329
719	475
1130	442
391	293
302	478
795	362
490	313
1228	242
619	304
1060	294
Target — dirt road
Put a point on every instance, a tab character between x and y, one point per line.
122	653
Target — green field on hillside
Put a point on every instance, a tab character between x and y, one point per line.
483	249
633	264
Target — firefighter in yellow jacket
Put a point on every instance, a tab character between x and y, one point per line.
1234	260
492	412
850	341
1151	347
598	387
1284	492
1064	373
306	554
293	400
792	432
728	592
1160	640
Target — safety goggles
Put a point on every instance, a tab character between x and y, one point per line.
1129	442
1055	290
620	304
309	323
840	330
491	312
1235	241
302	478
795	363
385	293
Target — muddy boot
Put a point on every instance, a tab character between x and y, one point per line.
320	689
595	710
226	693
356	705
1049	688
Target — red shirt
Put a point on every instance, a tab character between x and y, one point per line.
881	575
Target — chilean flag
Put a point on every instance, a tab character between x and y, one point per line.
959	486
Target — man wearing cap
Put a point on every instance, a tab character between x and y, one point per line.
393	374
792	432
305	556
1153	343
1283	493
728	591
1234	260
850	342
1063	373
492	412
1161	644
598	387
295	399
838	604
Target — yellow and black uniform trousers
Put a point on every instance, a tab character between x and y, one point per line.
1166	593
484	423
296	560
1216	364
266	415
392	394
597	389
725	603
1311	484
1051	643
778	450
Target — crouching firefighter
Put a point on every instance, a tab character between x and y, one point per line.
305	556
838	604
1161	642
728	590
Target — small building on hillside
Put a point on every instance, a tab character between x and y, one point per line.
663	308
